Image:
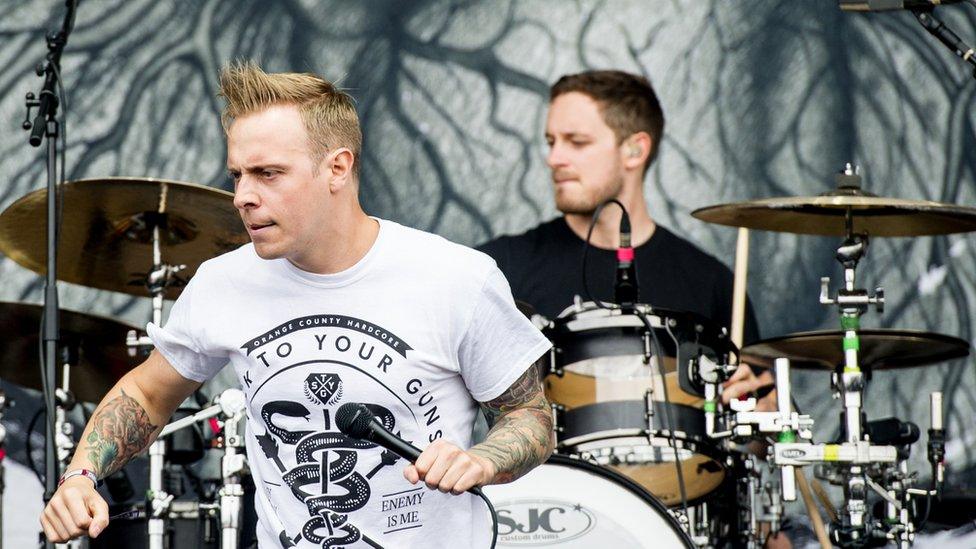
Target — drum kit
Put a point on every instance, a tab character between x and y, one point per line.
647	453
143	237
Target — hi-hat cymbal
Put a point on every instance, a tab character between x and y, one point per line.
106	230
880	349
98	343
825	215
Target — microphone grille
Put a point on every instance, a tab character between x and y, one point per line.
353	419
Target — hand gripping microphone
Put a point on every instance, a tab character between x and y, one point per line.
354	419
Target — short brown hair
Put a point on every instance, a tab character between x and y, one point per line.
328	113
627	101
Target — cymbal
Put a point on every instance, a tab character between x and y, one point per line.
101	358
106	230
825	215
880	349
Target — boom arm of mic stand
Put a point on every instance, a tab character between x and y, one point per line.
937	28
206	413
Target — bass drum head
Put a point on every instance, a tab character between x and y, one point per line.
573	504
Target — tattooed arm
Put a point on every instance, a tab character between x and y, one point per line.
520	438
124	424
521	434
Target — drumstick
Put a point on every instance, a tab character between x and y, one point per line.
821	494
815	518
739	287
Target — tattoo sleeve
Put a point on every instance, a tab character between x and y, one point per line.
119	431
521	434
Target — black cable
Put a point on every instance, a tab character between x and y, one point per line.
494	517
29	448
586	247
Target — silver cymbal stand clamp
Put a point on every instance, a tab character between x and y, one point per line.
159	278
233	465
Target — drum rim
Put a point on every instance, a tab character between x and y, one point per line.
632	486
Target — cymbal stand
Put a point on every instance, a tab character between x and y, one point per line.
4	404
852	302
160	277
64	431
159	500
233	465
760	504
230	405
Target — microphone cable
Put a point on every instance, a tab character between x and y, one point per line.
494	516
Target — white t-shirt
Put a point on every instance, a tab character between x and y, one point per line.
419	330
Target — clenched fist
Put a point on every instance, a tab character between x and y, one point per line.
448	468
75	510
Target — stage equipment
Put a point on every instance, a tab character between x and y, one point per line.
574	504
881	349
47	126
117	230
92	354
610	405
860	465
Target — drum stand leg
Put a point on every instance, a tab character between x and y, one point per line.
232	491
159	500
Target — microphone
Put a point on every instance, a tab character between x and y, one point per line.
625	287
354	419
889	5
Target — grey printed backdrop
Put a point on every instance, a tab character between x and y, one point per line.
762	98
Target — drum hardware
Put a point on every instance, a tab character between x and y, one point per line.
5	403
759	504
558	410
160	277
230	405
859	467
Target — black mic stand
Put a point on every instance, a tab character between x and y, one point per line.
45	125
937	28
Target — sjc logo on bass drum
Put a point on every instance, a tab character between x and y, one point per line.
528	522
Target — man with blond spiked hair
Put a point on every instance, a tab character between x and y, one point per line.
324	307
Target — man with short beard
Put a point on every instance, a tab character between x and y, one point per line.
604	130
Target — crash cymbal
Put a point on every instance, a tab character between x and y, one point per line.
98	343
106	230
880	349
825	215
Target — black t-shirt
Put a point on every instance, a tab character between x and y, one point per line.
543	267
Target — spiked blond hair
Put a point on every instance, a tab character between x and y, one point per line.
328	113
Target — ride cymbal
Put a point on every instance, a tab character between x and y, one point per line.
879	350
826	215
96	348
107	227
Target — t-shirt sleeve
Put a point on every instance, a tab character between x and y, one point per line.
499	344
498	250
179	341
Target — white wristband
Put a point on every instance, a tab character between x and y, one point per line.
79	473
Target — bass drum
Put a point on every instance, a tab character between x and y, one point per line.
570	503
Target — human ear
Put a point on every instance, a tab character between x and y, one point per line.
340	164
